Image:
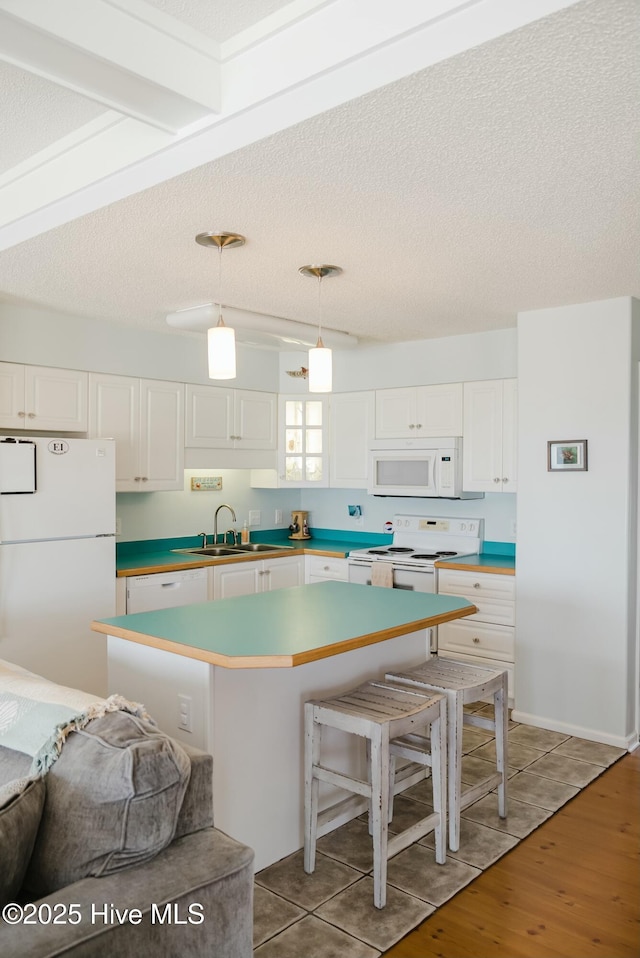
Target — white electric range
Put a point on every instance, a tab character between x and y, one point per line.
418	543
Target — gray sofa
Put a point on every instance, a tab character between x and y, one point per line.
113	851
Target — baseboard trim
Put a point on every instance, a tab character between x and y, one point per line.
628	742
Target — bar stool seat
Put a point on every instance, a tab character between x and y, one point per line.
463	683
393	719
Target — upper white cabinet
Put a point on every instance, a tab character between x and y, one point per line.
146	418
489	461
218	418
303	454
351	430
419	411
40	398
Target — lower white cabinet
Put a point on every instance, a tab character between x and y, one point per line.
321	568
488	637
259	575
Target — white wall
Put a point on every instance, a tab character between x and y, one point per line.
158	515
45	338
328	509
453	359
576	584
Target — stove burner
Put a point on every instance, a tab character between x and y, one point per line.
377	552
445	553
399	549
426	555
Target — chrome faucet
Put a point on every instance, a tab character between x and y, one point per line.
224	505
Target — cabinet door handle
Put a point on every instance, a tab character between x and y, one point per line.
22	414
476	640
32	415
418	425
145	479
326	568
411	425
136	478
505	479
476	585
496	479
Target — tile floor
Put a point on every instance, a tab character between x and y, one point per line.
331	912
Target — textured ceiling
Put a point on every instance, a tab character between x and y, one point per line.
34	112
216	19
504	179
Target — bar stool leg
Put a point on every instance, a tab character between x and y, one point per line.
312	733
439	780
500	699
379	777
454	759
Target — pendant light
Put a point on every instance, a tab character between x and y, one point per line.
221	339
320	361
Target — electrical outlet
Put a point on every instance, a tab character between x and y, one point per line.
185	713
278	519
255	517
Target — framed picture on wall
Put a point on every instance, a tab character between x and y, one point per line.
570	455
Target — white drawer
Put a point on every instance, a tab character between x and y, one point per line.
324	567
472	584
492	663
493	611
476	638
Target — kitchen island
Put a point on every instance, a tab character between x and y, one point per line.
238	671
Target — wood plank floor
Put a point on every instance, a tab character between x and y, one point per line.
571	889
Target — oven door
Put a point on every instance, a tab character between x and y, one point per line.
415	580
412	579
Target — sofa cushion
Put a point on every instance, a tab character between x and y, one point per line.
13	764
112	800
21	803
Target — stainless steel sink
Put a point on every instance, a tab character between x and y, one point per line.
209	551
259	547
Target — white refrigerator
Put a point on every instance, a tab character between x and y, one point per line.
57	556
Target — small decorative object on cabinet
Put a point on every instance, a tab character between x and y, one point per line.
488	637
568	455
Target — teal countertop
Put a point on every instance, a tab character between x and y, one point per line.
161	559
500	564
286	627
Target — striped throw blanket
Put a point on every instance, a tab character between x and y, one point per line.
36	716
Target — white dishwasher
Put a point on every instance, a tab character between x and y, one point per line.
163	590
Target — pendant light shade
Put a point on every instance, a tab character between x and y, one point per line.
320	368
320	358
221	339
221	348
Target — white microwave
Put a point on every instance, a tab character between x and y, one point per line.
418	468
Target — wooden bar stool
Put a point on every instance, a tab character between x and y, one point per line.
393	719
463	683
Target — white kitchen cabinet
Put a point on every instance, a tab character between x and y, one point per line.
351	430
43	398
322	568
419	411
218	418
488	637
146	419
303	453
489	462
259	575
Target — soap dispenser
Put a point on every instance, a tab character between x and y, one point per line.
244	534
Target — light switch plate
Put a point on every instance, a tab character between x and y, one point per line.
254	517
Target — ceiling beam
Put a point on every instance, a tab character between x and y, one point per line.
107	53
